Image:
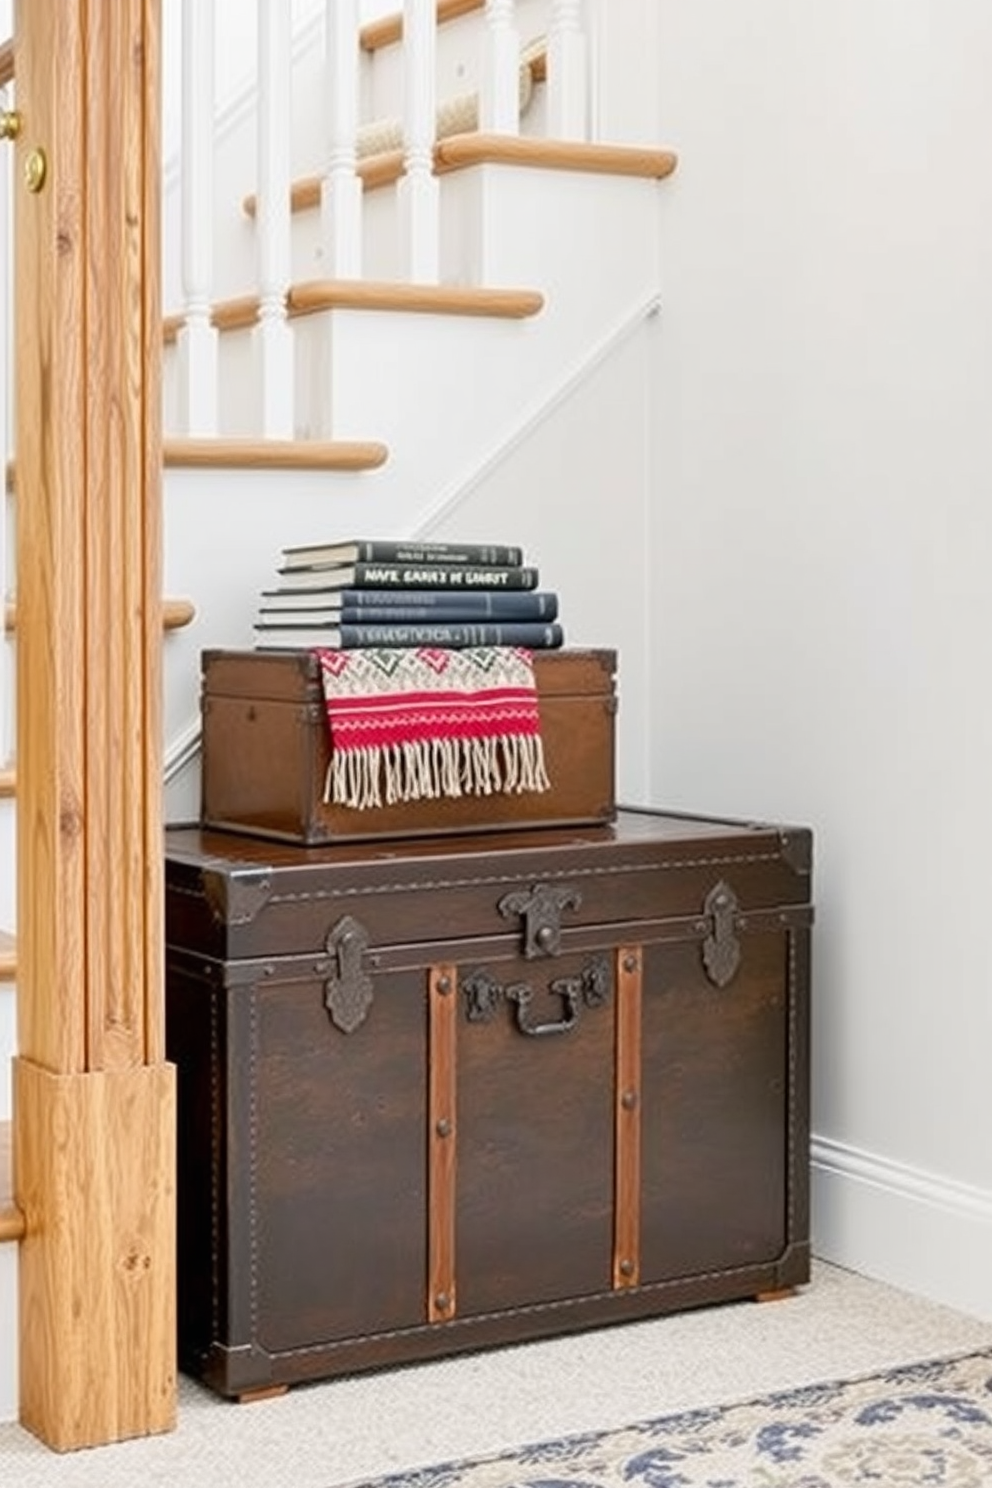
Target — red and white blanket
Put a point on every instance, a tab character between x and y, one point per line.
419	723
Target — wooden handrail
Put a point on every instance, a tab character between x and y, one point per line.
6	63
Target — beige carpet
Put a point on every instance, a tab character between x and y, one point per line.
321	1436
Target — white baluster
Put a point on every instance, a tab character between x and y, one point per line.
419	198
341	188
273	339
499	111
198	338
567	72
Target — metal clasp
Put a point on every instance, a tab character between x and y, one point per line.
541	908
348	996
721	948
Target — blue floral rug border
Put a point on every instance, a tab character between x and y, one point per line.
928	1425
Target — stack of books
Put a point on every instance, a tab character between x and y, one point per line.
392	594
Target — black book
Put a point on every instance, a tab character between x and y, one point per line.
403	606
533	635
376	550
458	576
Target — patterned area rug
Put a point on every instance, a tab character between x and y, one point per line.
923	1424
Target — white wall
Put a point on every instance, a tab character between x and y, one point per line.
822	613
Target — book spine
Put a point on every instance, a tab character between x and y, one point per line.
400	607
442	576
533	635
493	555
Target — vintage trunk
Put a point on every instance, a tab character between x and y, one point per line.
442	1094
266	751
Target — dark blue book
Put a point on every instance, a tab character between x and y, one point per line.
463	577
531	634
383	550
403	606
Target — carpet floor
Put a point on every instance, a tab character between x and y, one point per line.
927	1423
395	1426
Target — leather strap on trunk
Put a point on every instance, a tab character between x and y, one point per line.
441	1137
627	1120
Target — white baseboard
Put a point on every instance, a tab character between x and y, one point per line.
927	1234
8	1333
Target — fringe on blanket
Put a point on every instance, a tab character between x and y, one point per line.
428	769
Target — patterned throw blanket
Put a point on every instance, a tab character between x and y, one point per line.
418	723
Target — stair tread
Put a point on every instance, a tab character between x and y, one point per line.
8	781
312	295
276	454
11	1218
437	299
388	29
8	956
462	150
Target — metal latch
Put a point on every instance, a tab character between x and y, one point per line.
348	994
541	908
721	948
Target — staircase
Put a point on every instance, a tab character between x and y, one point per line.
473	361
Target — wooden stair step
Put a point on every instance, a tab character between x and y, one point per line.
273	454
256	454
8	957
11	1219
383	166
313	296
463	150
389	29
8	781
460	151
176	613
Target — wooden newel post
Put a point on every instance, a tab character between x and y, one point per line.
94	1115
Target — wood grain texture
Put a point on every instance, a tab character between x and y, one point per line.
374	171
461	150
427	299
175	614
94	1163
50	273
315	295
389	29
94	1138
627	1119
8	957
11	1219
89	540
8	781
442	1144
275	454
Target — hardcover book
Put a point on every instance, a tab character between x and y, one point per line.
532	635
401	606
366	550
458	576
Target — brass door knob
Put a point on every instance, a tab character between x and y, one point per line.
10	124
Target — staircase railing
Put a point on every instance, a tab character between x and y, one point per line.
568	26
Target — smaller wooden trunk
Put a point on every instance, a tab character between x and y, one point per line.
441	1094
266	752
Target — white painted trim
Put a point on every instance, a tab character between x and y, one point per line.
914	1229
240	108
182	751
538	414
